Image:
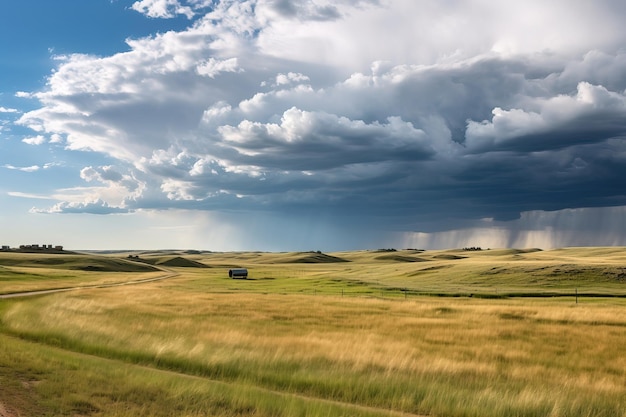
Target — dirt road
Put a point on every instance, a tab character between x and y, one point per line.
167	275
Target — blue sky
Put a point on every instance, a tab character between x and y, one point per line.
311	124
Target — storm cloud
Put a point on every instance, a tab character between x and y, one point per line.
395	116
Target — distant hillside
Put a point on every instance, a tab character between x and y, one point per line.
179	261
74	262
400	258
313	258
448	257
171	261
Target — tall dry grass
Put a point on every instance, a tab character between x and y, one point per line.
453	357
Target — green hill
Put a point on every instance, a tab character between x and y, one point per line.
400	258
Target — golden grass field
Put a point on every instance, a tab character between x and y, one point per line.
371	333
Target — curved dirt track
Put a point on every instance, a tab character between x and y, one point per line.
168	274
6	412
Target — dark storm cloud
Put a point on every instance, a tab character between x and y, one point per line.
427	146
306	141
570	158
215	119
504	184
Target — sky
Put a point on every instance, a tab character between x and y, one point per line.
284	125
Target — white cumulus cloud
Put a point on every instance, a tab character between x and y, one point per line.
162	8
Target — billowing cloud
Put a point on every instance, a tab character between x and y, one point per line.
434	123
556	122
110	191
163	9
308	141
213	67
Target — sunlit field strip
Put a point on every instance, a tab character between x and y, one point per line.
402	281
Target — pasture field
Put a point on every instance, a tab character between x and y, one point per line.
21	272
370	333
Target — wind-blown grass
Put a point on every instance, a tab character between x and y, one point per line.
39	380
286	343
441	357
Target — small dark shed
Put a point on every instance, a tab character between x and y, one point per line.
238	273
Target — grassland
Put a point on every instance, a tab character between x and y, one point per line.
372	333
21	272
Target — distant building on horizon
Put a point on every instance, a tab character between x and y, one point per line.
36	248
